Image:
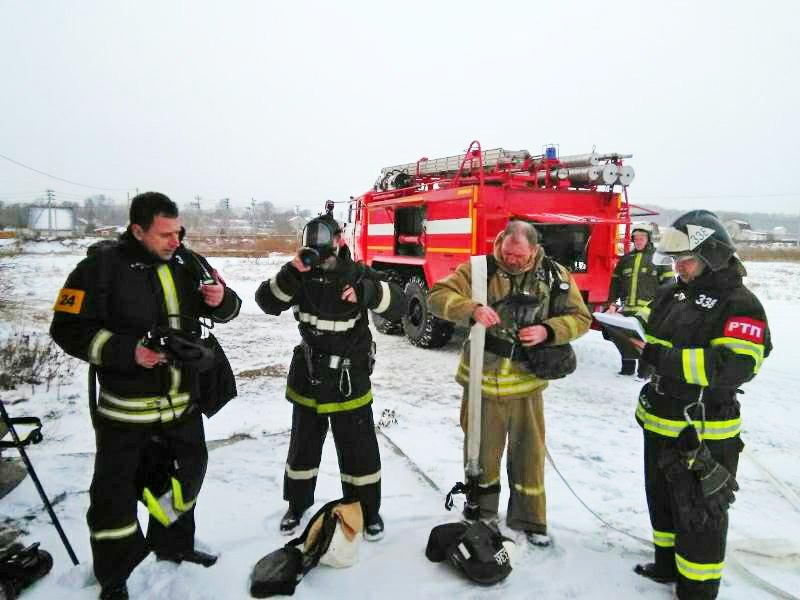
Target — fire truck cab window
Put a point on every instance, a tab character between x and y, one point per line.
567	244
408	230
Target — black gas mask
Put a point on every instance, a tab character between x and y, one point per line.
319	241
521	309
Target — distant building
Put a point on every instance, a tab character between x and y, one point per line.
742	231
52	221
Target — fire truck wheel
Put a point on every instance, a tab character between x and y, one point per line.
421	327
386	326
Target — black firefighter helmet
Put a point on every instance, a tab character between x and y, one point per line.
319	240
701	234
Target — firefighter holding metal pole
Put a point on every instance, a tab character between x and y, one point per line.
707	334
133	310
533	310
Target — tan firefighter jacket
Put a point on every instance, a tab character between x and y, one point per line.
451	299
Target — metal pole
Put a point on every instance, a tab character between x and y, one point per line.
38	485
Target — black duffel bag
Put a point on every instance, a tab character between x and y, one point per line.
217	383
550	362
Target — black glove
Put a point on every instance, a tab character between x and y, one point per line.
180	348
716	483
367	292
651	354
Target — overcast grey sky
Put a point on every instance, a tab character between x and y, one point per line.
295	102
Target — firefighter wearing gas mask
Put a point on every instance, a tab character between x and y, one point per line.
633	285
707	335
534	309
329	378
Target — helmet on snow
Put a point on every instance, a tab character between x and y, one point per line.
701	234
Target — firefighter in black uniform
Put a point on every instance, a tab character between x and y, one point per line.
707	334
329	377
147	402
633	285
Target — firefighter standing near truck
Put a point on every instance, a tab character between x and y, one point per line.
329	377
147	413
518	316
633	285
707	334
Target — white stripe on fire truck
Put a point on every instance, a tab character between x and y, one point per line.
449	226
381	229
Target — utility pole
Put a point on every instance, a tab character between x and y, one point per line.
253	213
50	196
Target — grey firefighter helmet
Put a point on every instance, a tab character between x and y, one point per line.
644	228
701	234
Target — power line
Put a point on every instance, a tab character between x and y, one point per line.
702	196
95	187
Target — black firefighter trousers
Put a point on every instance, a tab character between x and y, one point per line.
695	557
357	451
117	542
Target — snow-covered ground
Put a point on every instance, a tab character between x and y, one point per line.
592	437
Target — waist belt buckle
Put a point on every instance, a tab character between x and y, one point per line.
655	381
334	361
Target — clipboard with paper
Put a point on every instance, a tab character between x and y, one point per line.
622	325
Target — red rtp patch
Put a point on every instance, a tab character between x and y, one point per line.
745	328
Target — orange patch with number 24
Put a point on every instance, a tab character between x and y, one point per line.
69	301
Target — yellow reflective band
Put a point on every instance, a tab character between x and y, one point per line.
175	381
643	313
177	495
160	508
329	407
667	275
744	348
170	296
386	298
715	430
359	480
664	539
500	385
145	403
96	346
169	507
529	490
278	292
488	484
301	474
631	301
698	571
654	340
694	370
115	534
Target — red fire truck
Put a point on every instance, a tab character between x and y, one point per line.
423	219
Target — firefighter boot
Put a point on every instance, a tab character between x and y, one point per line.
628	366
374	531
290	522
191	556
662	570
114	592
